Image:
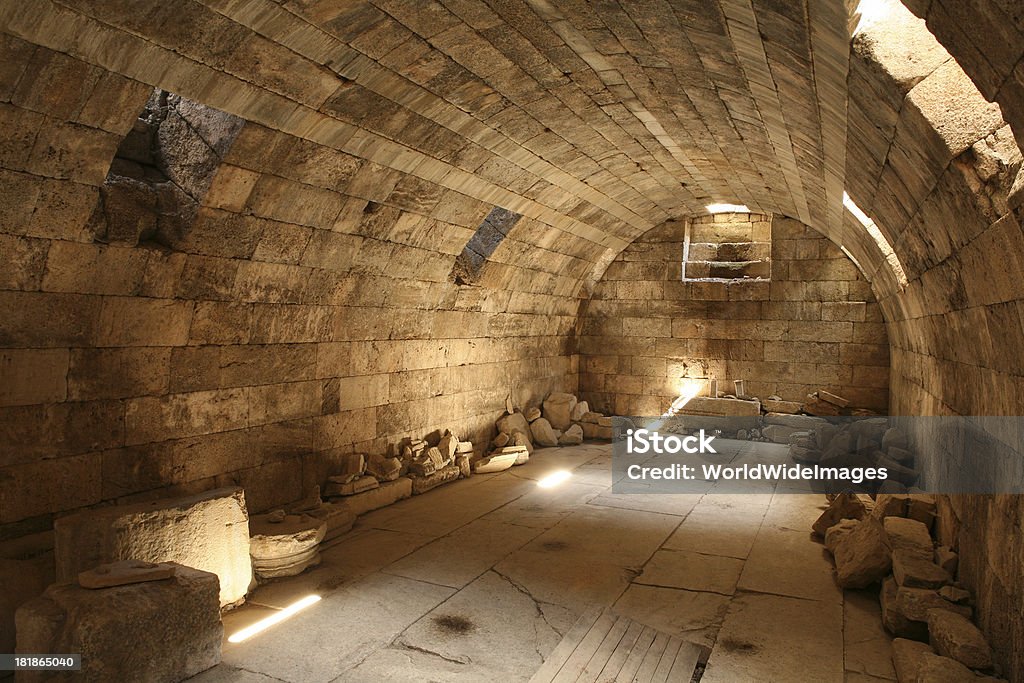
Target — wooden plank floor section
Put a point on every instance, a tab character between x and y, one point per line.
602	647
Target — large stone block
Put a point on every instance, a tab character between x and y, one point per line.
152	632
721	407
208	531
862	558
558	409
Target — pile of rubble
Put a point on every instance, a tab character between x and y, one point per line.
863	443
820	403
561	420
887	540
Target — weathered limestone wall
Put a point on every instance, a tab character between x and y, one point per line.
307	311
935	166
819	327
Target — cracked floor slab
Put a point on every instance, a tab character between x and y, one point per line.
509	632
481	579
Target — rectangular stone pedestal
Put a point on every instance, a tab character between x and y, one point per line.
208	531
154	632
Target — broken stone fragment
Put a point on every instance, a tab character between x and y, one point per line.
542	432
934	668
901	455
894	437
908	535
579	410
801	423
421	467
805	455
387	493
350	488
843	506
382	468
124	572
905	610
910	569
155	631
573	436
915	603
890	505
947	559
833	399
907	656
953	635
532	414
558	409
954	594
522	440
921	506
444	475
605	421
285	548
500	440
779	433
462	461
497	462
591	417
448	445
436	457
861	556
512	423
464	447
815	406
777	405
894	621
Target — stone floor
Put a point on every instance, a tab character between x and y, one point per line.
478	580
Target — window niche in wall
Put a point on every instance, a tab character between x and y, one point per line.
494	228
726	250
162	171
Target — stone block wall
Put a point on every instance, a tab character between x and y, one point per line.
818	328
306	312
942	164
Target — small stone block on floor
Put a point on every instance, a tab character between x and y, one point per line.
156	631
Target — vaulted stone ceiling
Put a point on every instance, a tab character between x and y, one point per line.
600	118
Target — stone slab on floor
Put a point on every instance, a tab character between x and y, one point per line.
787	562
694	616
692	571
463	555
330	637
152	632
770	637
208	531
494	624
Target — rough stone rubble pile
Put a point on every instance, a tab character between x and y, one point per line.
887	541
562	420
178	562
820	403
866	443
